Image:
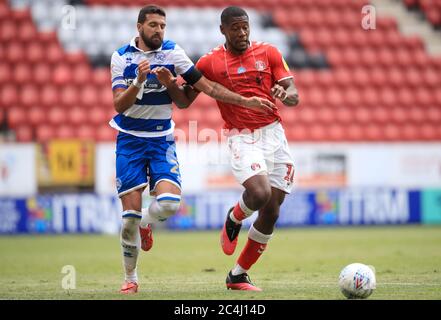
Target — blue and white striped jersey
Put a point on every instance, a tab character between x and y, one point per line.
150	115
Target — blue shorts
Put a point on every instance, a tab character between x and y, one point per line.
145	161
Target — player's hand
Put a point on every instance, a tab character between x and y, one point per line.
278	92
259	104
165	77
143	70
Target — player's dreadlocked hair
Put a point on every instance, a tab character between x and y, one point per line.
149	10
232	12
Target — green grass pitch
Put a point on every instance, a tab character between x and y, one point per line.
300	263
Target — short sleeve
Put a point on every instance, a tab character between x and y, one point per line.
204	66
278	65
181	61
117	66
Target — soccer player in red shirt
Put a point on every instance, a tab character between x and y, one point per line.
260	157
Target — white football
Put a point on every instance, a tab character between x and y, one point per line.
357	281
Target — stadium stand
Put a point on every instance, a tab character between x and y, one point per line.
430	8
354	84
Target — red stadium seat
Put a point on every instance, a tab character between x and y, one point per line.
45	132
399	115
27	31
5	73
343	115
82	74
62	74
97	116
363	115
24	133
77	115
29	95
54	53
416	114
69	96
392	132
409	132
36	115
64	131
106	133
336	132
88	96
16	116
42	74
86	132
15	52
56	116
380	114
101	77
21	73
433	115
49	96
354	132
373	132
8	95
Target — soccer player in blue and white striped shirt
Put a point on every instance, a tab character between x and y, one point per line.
145	149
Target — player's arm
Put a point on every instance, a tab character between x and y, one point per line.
286	91
184	96
125	98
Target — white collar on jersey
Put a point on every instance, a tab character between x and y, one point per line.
133	44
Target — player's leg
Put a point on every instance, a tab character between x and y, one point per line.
166	204
258	237
250	170
165	184
130	239
131	180
256	195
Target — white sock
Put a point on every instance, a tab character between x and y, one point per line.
238	270
146	217
130	243
247	211
164	206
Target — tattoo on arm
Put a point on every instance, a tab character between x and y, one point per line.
221	93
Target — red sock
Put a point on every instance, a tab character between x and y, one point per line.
238	213
251	253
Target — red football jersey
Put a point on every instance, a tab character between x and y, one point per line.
253	73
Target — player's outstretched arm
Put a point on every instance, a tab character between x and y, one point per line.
182	96
286	92
219	92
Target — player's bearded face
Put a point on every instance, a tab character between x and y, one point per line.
152	31
153	42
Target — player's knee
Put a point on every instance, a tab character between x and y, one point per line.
260	196
168	208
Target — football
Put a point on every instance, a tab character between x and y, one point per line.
357	281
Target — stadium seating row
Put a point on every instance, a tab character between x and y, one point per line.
380	85
431	9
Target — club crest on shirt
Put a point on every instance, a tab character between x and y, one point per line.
160	56
241	70
260	65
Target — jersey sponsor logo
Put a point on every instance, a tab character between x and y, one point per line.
260	65
241	70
